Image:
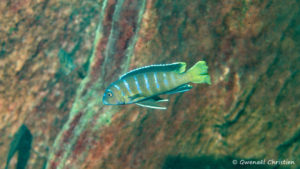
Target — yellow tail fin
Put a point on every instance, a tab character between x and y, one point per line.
198	73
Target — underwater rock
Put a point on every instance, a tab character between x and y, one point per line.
57	57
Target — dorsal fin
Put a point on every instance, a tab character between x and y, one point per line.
178	67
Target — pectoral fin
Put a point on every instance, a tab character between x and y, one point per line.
136	97
151	103
182	88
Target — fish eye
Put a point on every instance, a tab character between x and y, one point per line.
109	94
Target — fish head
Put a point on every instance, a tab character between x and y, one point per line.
113	96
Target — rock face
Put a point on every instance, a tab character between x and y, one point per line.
57	57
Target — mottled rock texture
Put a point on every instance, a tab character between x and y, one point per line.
57	57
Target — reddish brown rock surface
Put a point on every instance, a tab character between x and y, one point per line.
57	57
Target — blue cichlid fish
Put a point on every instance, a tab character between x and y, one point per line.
143	86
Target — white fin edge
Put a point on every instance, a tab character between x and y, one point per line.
152	107
163	100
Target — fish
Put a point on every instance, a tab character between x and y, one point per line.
143	86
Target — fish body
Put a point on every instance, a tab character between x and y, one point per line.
143	86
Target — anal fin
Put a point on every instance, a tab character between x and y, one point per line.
159	99
182	88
